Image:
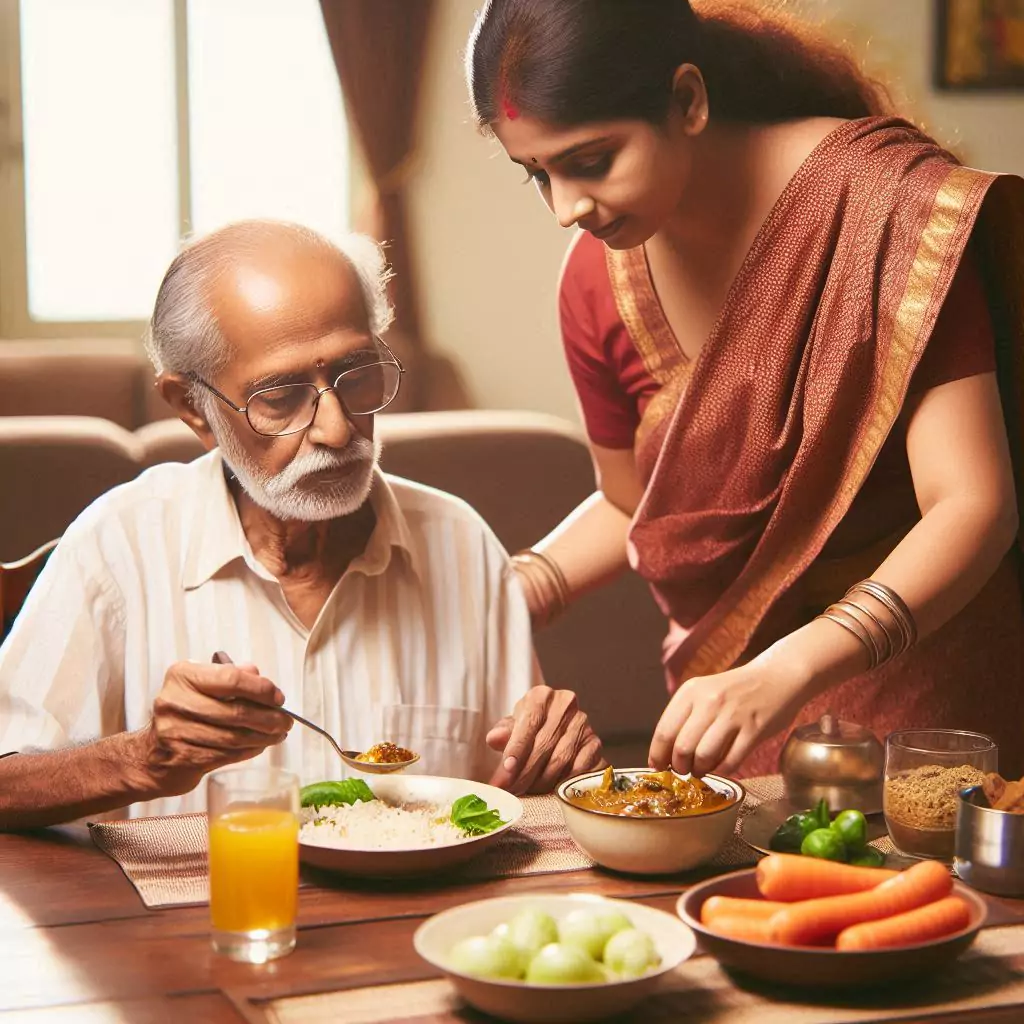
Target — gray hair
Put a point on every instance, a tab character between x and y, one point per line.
184	335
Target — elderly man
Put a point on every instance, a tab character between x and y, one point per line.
375	607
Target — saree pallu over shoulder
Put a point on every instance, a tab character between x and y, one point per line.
777	424
649	330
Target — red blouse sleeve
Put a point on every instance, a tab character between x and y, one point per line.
962	343
609	413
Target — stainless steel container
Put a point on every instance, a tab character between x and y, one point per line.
840	761
989	846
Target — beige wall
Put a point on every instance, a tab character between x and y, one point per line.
489	252
896	38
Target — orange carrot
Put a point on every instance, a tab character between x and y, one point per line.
812	921
788	877
741	926
730	906
932	921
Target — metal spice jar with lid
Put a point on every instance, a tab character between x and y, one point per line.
841	762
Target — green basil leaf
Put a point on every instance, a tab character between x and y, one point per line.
331	794
474	817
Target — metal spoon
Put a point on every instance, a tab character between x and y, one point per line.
350	757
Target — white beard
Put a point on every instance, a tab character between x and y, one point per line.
289	495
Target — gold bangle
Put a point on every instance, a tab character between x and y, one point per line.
548	580
550	568
526	580
556	573
896	607
905	614
854	626
537	579
853	607
875	645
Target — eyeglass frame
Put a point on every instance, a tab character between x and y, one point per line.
320	392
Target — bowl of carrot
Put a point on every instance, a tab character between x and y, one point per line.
813	923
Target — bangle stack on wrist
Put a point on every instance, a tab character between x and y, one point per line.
885	634
548	591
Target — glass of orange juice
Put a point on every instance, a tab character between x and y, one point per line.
254	862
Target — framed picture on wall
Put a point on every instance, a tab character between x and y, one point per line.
980	44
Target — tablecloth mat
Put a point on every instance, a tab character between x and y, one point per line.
989	975
165	858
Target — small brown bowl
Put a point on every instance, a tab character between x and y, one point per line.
807	967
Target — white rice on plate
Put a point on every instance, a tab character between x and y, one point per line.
376	825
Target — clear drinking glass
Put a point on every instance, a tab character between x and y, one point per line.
254	862
924	771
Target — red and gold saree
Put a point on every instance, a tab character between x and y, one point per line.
775	464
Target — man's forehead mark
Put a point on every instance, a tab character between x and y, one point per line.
533	159
320	364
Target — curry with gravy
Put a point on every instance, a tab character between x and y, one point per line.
654	795
386	753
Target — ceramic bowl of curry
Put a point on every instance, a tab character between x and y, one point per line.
641	822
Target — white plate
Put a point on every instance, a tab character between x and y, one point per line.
537	1004
424	860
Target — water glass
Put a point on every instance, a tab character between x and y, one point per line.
254	862
925	769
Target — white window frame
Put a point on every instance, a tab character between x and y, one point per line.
15	320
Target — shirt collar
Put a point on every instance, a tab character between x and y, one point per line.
390	534
217	537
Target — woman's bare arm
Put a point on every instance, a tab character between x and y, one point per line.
963	477
589	545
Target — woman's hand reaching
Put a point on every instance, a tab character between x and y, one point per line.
715	722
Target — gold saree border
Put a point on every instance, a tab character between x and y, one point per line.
728	640
649	330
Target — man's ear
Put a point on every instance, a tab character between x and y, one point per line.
176	390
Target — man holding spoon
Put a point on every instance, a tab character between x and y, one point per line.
374	607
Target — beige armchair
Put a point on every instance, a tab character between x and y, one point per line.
107	378
51	468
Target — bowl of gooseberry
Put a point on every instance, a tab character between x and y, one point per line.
554	957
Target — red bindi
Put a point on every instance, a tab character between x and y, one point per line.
508	108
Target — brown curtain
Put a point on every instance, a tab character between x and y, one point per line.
379	48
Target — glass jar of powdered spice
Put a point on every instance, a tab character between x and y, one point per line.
925	769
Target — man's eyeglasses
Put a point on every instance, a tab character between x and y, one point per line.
290	408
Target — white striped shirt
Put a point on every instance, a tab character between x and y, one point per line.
425	640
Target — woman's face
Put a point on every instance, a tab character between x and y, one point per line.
620	180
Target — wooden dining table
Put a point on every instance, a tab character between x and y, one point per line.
77	946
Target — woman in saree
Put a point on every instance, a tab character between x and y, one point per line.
794	325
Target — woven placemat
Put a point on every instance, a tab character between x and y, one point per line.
166	858
989	975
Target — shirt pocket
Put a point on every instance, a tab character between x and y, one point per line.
447	739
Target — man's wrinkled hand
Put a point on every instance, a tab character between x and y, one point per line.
546	739
206	717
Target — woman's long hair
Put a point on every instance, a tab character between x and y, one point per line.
570	62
